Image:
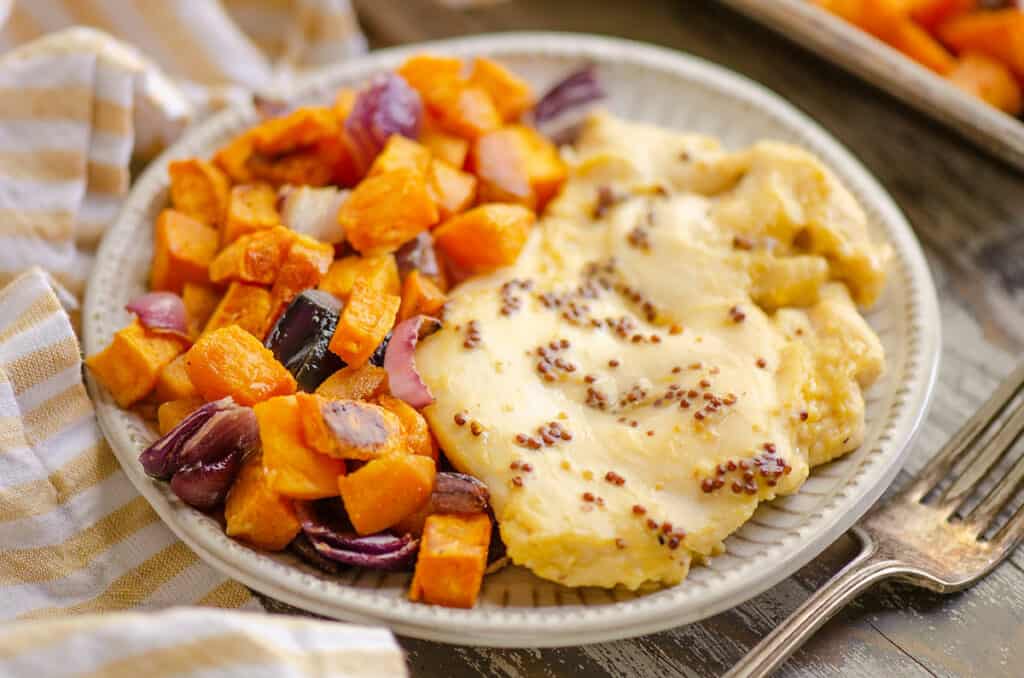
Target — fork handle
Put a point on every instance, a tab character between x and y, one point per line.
860	573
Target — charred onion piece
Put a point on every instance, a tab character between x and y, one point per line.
562	108
400	360
160	311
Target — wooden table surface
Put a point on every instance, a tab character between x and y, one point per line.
968	211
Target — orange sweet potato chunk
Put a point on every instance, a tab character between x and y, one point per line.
355	383
919	45
232	362
452	559
344	102
930	13
251	207
989	80
379	272
305	167
131	365
452	190
511	94
400	153
247	306
299	128
486	237
170	413
384	211
444	146
464	110
293	468
254	258
307	261
234	156
386	490
200	302
199	189
419	296
182	251
366	319
173	382
998	34
361	430
415	430
430	74
257	514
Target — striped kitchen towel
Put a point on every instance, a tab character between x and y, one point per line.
75	536
196	642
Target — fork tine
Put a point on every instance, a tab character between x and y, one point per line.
982	461
989	507
1010	534
956	449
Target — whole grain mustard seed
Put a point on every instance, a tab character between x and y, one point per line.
517	481
761	362
639	510
460	419
677	369
675	329
588	496
652	523
476	428
613	363
620	543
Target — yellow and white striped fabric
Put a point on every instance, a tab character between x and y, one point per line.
75	536
197	643
76	106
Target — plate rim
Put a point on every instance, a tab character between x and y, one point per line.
538	627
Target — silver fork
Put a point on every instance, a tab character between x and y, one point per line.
921	535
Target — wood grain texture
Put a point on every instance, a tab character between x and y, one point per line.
968	211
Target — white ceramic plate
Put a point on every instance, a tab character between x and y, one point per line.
516	608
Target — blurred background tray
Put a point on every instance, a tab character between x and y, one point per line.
873	60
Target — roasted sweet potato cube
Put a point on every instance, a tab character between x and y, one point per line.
300	128
384	211
512	95
464	110
200	302
173	382
355	383
452	559
344	102
349	429
251	207
919	45
379	272
429	73
170	413
444	146
999	34
419	296
307	261
257	514
254	258
182	251
486	237
247	306
989	80
415	430
304	167
517	164
400	153
199	189
367	318
131	365
232	362
386	490
293	469
452	190
335	154
234	156
930	13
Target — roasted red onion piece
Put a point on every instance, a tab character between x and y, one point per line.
313	211
458	493
401	559
202	454
160	311
206	484
561	109
162	459
418	255
400	360
388	106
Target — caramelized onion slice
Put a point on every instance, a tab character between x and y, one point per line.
160	311
400	360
